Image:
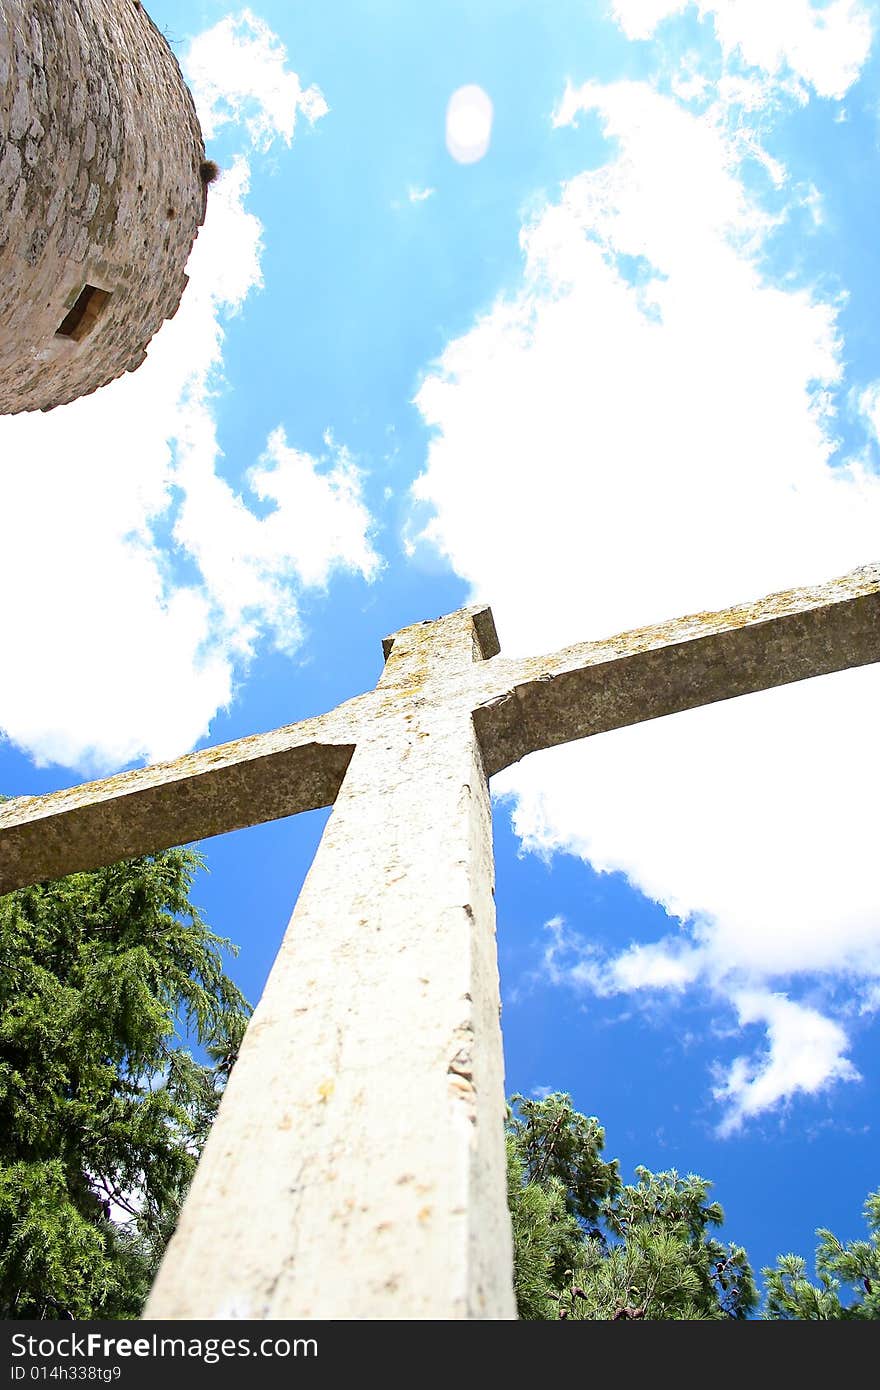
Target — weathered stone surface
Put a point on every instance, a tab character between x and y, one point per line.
363	1118
100	152
518	707
252	780
590	688
365	1112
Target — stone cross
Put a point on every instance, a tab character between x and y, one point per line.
356	1166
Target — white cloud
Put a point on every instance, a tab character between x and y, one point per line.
647	423
824	44
238	72
80	492
87	496
318	524
870	1003
655	967
806	1053
869	407
811	199
569	958
753	817
645	373
639	18
420	195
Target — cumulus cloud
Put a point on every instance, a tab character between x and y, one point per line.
650	377
317	524
238	72
806	1053
825	45
101	501
650	423
569	958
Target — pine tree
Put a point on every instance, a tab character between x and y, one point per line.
103	1111
588	1247
660	1261
557	1184
791	1296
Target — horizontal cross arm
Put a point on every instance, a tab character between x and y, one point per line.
246	782
596	686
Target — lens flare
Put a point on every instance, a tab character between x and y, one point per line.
468	124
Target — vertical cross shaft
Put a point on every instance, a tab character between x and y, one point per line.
366	1106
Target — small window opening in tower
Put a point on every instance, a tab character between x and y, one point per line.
81	319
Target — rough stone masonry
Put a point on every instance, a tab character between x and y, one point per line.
101	194
356	1167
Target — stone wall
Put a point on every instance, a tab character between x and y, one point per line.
100	190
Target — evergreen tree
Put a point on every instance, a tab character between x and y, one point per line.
103	1111
792	1297
557	1184
660	1260
554	1142
588	1247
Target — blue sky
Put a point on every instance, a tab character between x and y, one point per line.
618	363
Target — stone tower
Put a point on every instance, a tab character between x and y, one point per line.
102	192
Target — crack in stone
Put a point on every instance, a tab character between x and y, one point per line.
460	1070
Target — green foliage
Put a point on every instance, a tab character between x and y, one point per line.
791	1296
102	1111
661	1262
588	1247
557	1182
554	1142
